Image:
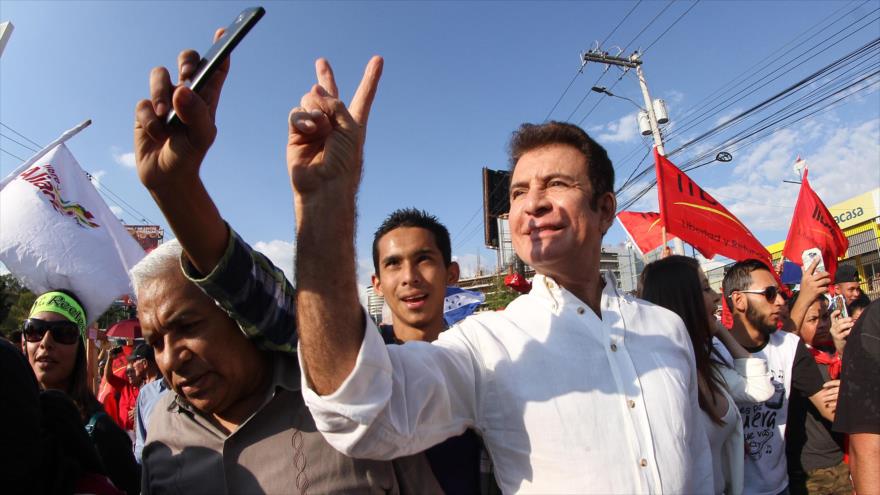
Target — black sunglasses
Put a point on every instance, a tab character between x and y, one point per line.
769	293
63	332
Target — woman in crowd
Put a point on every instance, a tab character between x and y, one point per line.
677	283
52	338
813	451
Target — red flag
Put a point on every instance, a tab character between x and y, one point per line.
693	215
813	226
645	229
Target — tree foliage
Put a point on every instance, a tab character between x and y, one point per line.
15	303
500	295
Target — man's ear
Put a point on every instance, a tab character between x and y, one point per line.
377	284
453	271
607	209
740	302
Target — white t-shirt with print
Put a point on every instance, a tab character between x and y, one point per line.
766	471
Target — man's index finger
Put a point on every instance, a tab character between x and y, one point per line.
366	92
326	79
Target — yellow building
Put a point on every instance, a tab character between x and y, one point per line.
859	218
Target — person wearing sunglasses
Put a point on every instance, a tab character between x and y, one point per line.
753	297
678	284
53	339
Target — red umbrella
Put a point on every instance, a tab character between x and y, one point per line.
125	329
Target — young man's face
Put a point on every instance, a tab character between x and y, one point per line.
850	290
760	313
413	278
553	225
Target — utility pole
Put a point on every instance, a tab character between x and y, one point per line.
635	62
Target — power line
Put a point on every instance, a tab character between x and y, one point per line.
108	194
18	143
766	130
680	17
857	57
581	69
806	56
687	118
781	50
19	134
860	51
587	93
564	92
670	27
12	155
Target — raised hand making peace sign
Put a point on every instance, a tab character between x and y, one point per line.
324	158
325	139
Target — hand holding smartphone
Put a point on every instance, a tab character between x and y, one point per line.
809	255
838	302
219	51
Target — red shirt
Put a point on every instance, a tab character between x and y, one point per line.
126	398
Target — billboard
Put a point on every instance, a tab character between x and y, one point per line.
496	202
148	236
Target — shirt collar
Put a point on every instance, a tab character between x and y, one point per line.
546	288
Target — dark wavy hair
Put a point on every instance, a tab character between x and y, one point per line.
674	283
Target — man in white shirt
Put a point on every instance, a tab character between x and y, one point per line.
575	387
754	300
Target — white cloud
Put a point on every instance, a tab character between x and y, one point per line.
842	166
124	159
97	176
364	272
280	253
727	116
674	96
623	130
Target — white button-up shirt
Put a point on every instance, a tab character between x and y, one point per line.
566	402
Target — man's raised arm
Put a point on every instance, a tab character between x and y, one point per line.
253	291
324	160
169	157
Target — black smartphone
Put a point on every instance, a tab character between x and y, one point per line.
219	51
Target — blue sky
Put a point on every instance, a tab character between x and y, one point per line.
459	77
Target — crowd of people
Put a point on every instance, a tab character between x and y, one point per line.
250	383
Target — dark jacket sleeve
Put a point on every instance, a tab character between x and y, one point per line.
114	447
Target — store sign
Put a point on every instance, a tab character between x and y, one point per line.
856	210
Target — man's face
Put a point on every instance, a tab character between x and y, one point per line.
850	290
199	348
553	226
136	371
761	313
413	278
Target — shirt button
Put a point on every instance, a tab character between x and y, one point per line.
613	347
631	403
643	463
580	310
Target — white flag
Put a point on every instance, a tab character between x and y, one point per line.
57	233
